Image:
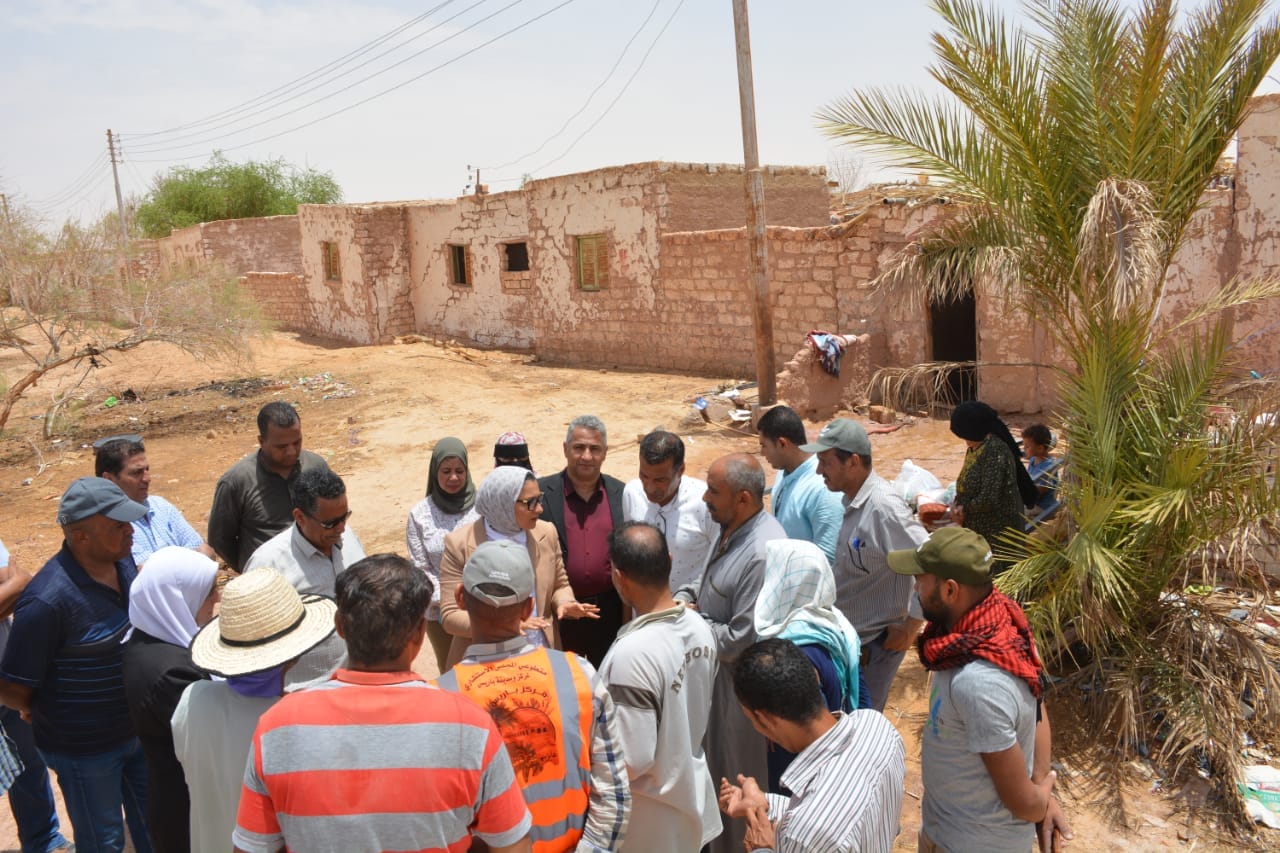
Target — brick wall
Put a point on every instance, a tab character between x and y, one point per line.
368	299
264	244
710	196
701	316
282	296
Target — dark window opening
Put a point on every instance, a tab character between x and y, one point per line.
515	257
458	265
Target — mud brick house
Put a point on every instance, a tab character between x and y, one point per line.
644	266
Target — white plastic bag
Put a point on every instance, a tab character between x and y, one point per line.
912	480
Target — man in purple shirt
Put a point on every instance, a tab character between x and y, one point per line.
585	505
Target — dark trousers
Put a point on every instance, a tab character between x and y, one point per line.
591	638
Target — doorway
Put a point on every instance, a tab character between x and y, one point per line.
953	332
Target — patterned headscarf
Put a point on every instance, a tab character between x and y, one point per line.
797	602
455	504
496	500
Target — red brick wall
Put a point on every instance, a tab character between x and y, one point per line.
282	296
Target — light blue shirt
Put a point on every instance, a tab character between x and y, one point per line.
163	525
807	509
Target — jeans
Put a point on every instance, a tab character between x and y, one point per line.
95	787
31	797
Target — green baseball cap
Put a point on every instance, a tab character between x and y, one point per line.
841	434
952	553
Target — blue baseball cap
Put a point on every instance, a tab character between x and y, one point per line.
89	496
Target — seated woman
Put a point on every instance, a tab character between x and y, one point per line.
510	504
168	603
1037	443
993	487
797	602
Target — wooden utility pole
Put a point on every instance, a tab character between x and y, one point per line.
758	262
124	229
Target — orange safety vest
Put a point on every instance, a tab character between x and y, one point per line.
541	704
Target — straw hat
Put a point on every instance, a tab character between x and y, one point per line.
262	623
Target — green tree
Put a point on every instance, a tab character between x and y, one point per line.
1082	141
225	190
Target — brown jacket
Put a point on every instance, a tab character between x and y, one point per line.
550	583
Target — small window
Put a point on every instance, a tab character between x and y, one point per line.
459	269
332	262
515	257
593	262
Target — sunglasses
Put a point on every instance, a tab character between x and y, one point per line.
329	525
531	503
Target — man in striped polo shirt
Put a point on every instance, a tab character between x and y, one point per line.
377	759
881	604
847	777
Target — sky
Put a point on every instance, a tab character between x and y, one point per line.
511	87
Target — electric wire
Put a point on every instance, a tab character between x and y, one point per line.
618	62
621	92
72	188
348	87
174	143
385	91
305	78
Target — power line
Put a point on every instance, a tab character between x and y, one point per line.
386	91
73	187
359	51
348	87
161	146
96	187
621	92
585	103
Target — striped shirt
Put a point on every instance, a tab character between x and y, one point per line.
870	594
609	801
375	761
66	645
163	525
846	790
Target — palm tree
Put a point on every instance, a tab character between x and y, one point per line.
1082	142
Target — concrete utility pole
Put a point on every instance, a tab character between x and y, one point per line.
124	230
758	264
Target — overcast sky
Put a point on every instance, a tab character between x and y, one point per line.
530	87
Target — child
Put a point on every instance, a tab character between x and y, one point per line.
1036	444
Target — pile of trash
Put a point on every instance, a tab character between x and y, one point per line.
329	388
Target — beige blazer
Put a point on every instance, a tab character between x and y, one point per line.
550	582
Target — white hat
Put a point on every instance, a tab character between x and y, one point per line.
262	623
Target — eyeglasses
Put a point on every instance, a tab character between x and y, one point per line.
531	503
329	525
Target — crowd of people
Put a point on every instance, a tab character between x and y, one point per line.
657	665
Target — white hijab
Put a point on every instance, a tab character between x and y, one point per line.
168	593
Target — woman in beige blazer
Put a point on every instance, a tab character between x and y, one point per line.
509	504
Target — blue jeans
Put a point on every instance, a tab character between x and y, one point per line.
31	797
95	787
